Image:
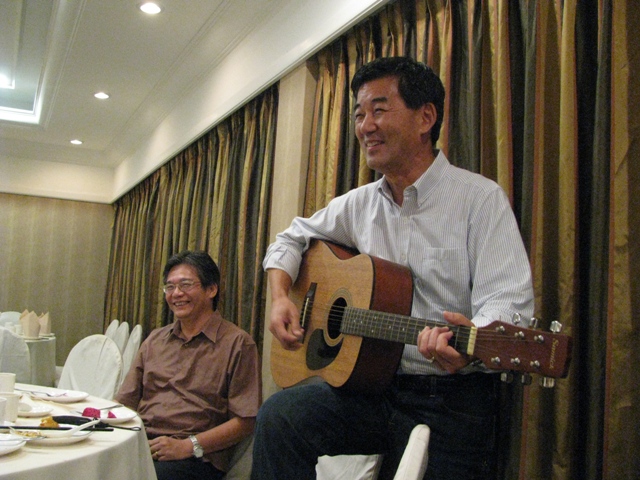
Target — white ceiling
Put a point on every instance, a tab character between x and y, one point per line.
170	77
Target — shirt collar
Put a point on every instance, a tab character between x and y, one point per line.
430	179
209	330
426	183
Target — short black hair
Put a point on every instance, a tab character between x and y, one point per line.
418	84
207	270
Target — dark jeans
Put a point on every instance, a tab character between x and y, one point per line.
297	425
187	469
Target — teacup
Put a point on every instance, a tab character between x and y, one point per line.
7	382
11	406
3	404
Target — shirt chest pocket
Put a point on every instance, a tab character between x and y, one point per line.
443	270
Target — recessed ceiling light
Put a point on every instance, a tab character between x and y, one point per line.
150	8
76	142
101	95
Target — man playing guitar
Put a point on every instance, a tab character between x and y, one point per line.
456	233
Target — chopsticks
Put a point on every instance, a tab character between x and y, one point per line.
33	427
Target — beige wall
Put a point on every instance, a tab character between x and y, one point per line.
295	108
53	257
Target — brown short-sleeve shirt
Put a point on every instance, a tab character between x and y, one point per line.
181	388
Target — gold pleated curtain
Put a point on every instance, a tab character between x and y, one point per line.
213	196
541	97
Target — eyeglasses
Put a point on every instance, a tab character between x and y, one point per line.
183	286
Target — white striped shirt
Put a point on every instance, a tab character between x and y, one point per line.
456	232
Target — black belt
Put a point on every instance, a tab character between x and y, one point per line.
435	384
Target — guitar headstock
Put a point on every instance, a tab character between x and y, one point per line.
504	346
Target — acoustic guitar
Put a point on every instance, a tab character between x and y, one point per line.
355	311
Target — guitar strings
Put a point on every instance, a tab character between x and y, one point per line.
407	327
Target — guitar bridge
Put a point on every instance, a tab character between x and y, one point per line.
307	305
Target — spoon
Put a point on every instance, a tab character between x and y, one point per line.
40	394
67	433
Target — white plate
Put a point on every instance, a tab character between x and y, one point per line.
69	396
123	414
36	411
10	443
75	438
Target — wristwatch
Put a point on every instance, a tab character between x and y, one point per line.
197	448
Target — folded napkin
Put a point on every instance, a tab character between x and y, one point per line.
45	324
30	325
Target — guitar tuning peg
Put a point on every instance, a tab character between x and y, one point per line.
506	377
525	379
534	322
555	326
516	319
547	382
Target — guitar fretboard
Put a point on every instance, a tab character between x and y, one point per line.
400	328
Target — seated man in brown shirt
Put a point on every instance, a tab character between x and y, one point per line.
194	383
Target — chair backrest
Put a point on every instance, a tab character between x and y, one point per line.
111	329
9	317
133	344
241	460
413	463
348	467
14	356
94	365
121	336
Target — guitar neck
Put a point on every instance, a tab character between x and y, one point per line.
401	328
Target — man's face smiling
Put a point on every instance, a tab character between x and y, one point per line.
192	304
391	135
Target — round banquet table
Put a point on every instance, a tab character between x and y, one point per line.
110	455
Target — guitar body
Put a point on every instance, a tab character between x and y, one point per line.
339	278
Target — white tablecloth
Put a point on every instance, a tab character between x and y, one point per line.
43	361
116	455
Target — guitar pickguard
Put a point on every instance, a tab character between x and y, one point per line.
319	353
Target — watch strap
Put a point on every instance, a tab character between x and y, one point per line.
198	451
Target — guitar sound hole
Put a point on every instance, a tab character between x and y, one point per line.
334	322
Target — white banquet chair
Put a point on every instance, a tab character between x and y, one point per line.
413	464
133	344
9	317
111	329
415	458
94	366
14	355
121	336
